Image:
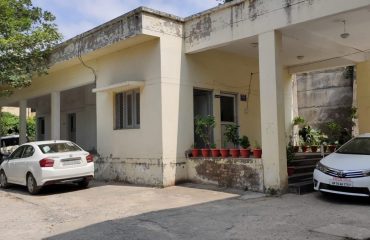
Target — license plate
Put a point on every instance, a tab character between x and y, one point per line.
74	162
341	182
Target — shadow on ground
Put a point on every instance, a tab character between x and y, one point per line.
284	217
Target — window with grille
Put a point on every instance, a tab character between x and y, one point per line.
127	109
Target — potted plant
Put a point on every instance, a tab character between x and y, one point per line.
290	158
257	151
244	143
203	127
232	135
194	151
305	137
224	151
314	138
215	152
334	130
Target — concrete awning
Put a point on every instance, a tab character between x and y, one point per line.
120	86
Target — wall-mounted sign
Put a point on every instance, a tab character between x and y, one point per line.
243	97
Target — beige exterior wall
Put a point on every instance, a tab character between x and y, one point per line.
363	96
229	73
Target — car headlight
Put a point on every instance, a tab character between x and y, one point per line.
321	167
366	173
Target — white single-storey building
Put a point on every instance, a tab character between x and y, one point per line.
130	88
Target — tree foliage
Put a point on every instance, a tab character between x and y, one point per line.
27	35
9	124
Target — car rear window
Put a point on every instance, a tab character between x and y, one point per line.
59	147
356	146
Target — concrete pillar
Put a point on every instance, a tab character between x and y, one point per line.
22	121
272	111
55	115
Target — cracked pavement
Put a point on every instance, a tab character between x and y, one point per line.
115	211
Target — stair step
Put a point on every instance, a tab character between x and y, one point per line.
301	187
300	177
303	162
299	156
304	169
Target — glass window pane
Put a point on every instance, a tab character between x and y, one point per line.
137	108
129	109
227	109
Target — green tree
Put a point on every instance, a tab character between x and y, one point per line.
27	35
9	123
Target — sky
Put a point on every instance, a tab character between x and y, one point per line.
77	16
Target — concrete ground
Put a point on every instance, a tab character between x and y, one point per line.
113	211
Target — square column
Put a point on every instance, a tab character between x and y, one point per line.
55	115
272	111
22	121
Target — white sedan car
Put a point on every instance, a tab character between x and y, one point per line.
347	171
36	164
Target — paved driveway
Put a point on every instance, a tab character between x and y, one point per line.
112	211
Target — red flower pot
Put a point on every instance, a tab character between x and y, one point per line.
234	152
291	171
331	148
257	153
195	152
295	149
304	148
224	152
244	153
205	152
313	149
215	152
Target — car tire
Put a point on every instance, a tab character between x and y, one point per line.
84	183
3	180
32	185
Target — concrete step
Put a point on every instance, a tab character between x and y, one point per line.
299	156
304	169
300	177
301	187
304	162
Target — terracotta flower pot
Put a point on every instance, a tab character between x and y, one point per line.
331	148
205	152
314	149
304	148
195	152
215	152
244	153
224	152
257	153
291	171
234	152
295	149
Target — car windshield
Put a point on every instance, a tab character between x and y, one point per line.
356	146
59	147
6	142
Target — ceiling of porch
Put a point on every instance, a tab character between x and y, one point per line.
318	43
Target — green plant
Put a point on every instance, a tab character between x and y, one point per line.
298	121
203	127
244	142
213	145
334	132
314	137
257	145
289	154
232	134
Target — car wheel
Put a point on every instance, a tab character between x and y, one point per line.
32	185
84	183
3	180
